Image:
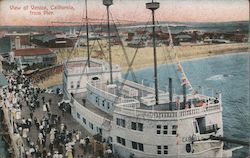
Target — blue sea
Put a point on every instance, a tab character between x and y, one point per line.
228	74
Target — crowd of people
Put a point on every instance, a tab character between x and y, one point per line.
46	136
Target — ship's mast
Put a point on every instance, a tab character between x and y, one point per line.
87	30
108	3
153	6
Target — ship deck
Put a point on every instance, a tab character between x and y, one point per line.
79	96
142	92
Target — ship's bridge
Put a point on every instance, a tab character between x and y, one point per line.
78	66
77	73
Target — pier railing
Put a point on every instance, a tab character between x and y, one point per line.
16	140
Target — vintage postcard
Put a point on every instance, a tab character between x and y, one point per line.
124	78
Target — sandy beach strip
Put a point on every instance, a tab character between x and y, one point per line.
144	57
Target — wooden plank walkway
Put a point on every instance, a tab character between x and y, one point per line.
66	119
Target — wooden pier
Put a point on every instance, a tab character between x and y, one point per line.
21	145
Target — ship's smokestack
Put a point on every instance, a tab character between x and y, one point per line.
170	90
184	95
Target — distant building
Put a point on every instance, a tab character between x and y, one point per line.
220	41
19	39
32	56
138	42
207	40
184	38
53	41
130	36
17	42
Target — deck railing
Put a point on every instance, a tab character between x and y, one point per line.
94	69
130	110
100	92
100	67
109	96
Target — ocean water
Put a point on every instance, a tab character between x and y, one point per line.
228	74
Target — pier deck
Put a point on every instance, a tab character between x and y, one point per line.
67	119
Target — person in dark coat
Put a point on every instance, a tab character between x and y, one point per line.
31	115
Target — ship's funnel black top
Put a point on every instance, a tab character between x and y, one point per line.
184	95
170	89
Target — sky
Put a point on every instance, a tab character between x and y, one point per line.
46	12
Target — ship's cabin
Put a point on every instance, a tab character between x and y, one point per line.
146	96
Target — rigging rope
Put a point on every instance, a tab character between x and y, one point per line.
124	52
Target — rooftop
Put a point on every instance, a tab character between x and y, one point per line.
183	36
45	38
33	52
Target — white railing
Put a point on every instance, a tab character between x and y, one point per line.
130	110
100	92
105	94
213	107
101	66
94	69
129	104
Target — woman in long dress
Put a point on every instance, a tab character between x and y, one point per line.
44	107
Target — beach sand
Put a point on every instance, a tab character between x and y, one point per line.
144	57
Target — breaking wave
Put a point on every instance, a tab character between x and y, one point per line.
219	77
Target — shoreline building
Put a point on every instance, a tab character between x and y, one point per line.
54	41
31	56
